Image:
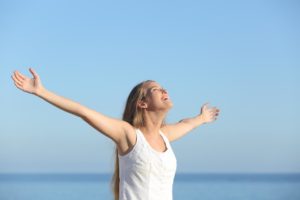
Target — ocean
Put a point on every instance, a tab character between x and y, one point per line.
186	187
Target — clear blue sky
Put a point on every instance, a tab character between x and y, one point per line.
241	56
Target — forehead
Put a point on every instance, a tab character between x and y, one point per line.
152	85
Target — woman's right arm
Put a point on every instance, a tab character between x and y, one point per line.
110	127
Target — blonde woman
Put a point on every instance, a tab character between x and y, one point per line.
145	163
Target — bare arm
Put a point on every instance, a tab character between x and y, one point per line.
178	130
110	127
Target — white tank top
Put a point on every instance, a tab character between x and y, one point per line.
146	174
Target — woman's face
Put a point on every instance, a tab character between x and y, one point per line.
157	98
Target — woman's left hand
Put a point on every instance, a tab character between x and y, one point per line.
209	114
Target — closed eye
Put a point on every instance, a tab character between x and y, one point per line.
154	89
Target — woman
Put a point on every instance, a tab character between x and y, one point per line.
145	163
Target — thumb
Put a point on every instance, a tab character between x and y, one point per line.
204	106
34	74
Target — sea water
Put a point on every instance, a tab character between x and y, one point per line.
186	187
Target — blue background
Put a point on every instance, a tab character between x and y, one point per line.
241	56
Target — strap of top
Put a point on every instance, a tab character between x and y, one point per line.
165	139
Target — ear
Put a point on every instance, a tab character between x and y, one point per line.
142	104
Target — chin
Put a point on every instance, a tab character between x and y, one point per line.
170	105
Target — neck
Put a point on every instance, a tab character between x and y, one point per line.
153	122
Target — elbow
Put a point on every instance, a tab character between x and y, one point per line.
82	112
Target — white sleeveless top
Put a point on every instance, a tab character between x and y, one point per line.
146	174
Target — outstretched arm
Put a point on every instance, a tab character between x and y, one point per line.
112	128
176	131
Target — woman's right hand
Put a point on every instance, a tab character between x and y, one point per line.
30	85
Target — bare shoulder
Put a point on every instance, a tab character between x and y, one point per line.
176	130
167	130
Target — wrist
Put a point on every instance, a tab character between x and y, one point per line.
201	119
39	92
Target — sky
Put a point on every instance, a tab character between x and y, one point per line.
240	56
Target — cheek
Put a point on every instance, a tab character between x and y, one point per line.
153	101
153	97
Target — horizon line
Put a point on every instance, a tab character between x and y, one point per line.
189	177
105	173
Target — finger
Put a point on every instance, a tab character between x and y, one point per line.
18	86
19	75
16	80
215	109
35	75
212	111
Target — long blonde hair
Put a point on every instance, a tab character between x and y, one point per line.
134	116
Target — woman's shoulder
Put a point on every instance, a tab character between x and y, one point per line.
165	129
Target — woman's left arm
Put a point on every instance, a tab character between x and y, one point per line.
176	131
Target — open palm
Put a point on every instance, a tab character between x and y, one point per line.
209	114
30	85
